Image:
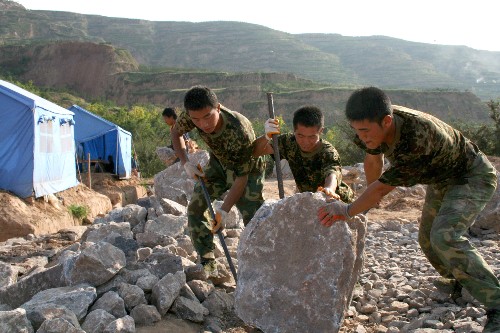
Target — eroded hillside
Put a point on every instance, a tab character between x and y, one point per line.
98	71
86	68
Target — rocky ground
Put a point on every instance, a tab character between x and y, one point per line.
395	291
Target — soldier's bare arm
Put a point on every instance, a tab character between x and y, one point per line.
373	165
235	192
178	144
262	147
370	197
331	186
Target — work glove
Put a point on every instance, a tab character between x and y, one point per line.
220	221
333	211
192	170
271	126
331	194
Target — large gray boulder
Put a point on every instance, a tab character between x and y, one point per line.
8	275
296	275
15	321
94	265
166	155
22	291
173	183
167	290
77	299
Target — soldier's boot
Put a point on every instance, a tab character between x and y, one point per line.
209	264
493	322
448	286
457	292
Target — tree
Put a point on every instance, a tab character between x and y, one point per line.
495	116
148	131
341	136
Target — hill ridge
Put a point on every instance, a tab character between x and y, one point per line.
245	47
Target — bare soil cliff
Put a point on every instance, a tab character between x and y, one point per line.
20	217
88	68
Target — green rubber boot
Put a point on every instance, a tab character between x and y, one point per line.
448	286
493	322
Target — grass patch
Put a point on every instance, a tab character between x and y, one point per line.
79	212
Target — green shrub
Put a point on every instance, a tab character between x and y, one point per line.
341	136
78	212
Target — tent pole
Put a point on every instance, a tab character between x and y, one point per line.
135	157
78	168
116	158
88	171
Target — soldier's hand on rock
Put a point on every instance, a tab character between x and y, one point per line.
333	211
329	193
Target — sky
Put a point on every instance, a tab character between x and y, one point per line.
448	22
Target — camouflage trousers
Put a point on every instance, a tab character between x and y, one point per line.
449	210
218	181
345	192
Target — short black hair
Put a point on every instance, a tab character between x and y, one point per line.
308	116
368	103
169	112
200	97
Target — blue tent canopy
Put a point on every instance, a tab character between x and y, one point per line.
37	150
104	140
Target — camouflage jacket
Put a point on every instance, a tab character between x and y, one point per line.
232	146
425	151
311	169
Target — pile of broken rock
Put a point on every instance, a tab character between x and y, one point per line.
136	266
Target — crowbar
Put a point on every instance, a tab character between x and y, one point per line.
277	159
219	232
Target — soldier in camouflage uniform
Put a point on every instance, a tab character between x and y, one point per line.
170	117
230	137
314	162
424	150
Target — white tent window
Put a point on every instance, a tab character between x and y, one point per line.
66	138
46	137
